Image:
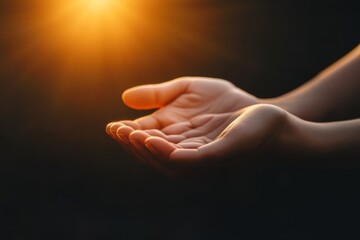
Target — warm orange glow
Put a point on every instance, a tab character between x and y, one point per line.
88	41
98	5
86	23
76	39
81	34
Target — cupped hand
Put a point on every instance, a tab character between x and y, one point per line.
241	135
188	107
180	101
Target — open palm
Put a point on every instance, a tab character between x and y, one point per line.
191	112
185	98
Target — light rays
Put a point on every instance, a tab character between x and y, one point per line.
81	38
82	26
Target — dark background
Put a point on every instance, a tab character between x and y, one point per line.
62	177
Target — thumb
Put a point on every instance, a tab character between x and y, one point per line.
154	95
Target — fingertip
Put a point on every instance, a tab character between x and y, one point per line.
153	96
130	97
125	130
138	97
123	133
108	127
112	128
125	95
159	146
134	134
138	135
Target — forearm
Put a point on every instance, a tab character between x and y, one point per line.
339	141
329	95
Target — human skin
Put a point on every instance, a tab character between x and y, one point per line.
332	94
188	108
203	122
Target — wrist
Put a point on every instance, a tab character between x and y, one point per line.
296	139
301	107
322	143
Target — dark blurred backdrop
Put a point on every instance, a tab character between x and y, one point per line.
62	177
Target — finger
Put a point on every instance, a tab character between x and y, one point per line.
171	138
160	147
148	122
180	160
111	129
154	95
134	125
119	132
123	134
137	139
175	156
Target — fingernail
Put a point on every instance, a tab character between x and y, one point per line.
151	148
123	138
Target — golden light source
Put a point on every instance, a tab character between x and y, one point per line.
86	26
98	4
76	42
77	37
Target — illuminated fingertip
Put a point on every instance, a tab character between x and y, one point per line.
130	97
125	130
123	138
160	146
112	129
124	95
138	135
107	128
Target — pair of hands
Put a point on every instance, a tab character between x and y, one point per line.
200	122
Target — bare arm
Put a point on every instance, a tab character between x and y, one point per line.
202	121
331	94
258	129
335	142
